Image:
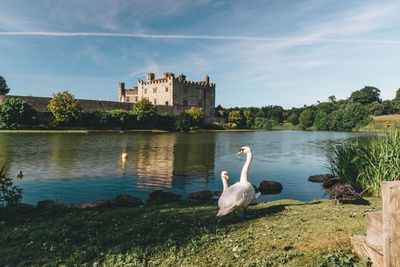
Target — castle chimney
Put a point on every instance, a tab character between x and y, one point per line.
121	92
150	76
207	80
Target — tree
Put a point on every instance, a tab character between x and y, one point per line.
197	115
264	123
321	122
183	122
145	112
332	99
235	116
166	122
65	109
306	118
16	113
376	108
355	115
9	193
249	116
3	86
365	96
293	119
336	120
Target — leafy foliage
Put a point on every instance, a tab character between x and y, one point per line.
183	122
235	116
16	113
366	95
4	89
65	109
146	113
197	115
293	119
264	123
249	117
321	122
306	118
366	165
9	193
355	115
166	122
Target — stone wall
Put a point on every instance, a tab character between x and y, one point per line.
40	104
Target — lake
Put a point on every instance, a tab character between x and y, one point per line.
72	168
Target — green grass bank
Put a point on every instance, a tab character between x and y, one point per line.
186	233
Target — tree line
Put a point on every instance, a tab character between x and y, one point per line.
333	115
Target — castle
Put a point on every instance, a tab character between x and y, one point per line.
171	91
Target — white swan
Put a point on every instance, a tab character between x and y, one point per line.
224	178
242	193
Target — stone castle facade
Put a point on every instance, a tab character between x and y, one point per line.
171	91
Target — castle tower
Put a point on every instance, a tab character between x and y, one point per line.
121	92
150	76
207	80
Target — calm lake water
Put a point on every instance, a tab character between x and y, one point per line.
71	168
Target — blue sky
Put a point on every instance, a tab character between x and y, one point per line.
287	53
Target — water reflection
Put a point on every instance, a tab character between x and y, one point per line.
85	167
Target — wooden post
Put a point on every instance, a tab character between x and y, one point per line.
391	223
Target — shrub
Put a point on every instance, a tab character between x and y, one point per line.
336	120
9	193
293	119
321	122
166	122
146	113
183	122
264	123
249	117
197	115
65	109
235	116
306	118
16	113
355	115
366	165
3	86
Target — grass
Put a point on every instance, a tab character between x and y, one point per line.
367	165
186	233
382	123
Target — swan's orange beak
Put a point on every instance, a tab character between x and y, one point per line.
227	177
240	152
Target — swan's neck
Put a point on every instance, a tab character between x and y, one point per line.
245	170
225	184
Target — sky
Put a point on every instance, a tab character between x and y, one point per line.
275	52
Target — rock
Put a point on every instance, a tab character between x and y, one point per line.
340	190
46	203
320	178
94	204
201	195
124	200
217	193
270	187
162	196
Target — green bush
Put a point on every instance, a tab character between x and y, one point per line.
183	122
366	165
306	118
65	109
9	193
197	115
166	122
235	116
355	115
321	122
264	123
336	120
114	119
4	89
16	113
249	117
293	119
146	113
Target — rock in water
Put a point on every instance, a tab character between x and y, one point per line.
162	196
320	178
127	201
201	195
270	187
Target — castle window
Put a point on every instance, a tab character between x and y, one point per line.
166	90
200	92
136	99
185	102
128	99
166	103
154	90
145	91
155	101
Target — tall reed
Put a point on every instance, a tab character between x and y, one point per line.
366	165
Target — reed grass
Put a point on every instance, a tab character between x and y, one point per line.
366	164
